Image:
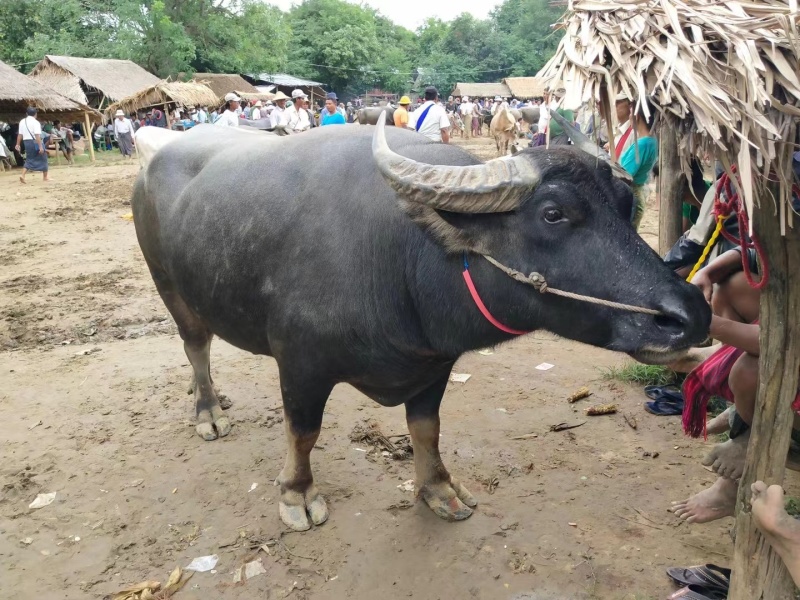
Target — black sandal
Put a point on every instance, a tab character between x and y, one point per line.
711	577
698	592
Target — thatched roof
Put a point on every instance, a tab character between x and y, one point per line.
222	83
89	80
525	87
166	92
18	91
727	70
481	90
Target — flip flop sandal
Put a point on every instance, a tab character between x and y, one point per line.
665	393
664	408
708	576
698	592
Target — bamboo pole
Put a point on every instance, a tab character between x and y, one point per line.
671	187
166	116
89	136
605	104
758	572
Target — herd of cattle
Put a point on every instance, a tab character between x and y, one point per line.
504	126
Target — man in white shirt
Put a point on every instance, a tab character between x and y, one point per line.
123	133
430	119
467	109
623	136
30	135
202	115
296	119
229	118
255	114
276	116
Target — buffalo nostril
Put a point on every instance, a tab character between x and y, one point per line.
671	322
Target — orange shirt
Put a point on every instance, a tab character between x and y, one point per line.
401	117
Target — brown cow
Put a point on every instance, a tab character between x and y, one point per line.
504	130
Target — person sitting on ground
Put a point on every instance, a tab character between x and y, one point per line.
731	372
639	158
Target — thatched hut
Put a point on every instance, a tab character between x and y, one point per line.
223	83
18	91
724	78
525	88
481	90
165	95
95	82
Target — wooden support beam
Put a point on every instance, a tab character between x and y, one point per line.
758	572
89	137
671	187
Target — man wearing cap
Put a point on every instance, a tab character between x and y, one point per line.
624	134
123	132
296	118
401	113
467	109
431	118
330	115
229	118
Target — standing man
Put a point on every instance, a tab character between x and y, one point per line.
123	132
431	119
624	132
66	142
296	119
30	135
467	109
255	113
230	117
401	114
280	108
330	115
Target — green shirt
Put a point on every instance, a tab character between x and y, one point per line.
648	153
555	128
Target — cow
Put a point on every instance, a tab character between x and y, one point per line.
370	114
504	129
383	261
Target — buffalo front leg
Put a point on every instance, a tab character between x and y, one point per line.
211	421
445	495
303	405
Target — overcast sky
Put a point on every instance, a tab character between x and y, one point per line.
411	13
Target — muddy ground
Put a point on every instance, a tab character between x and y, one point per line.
94	407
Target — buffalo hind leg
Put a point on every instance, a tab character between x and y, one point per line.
303	405
211	421
446	496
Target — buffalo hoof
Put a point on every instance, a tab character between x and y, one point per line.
296	515
449	501
211	431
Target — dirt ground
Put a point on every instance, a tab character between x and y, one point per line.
94	407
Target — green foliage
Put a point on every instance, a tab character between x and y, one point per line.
641	374
349	47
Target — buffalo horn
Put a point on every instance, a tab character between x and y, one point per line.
496	186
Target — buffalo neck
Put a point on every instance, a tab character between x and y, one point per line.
449	315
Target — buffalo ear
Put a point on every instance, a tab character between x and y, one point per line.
454	239
621	198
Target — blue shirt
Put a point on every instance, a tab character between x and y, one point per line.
648	154
334	119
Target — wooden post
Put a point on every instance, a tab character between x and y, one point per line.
758	572
89	136
671	187
166	116
605	104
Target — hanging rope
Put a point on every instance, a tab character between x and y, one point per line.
538	281
712	240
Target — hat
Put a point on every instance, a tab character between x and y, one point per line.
404	100
331	96
231	97
119	113
622	97
465	98
560	92
298	94
498	99
351	104
280	96
258	104
269	103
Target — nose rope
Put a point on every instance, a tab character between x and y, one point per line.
538	281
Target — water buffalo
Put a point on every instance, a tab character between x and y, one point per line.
353	269
370	115
530	114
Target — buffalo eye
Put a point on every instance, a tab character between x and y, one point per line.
553	215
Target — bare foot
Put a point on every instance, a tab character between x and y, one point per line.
727	459
711	504
721	423
22	180
781	530
692	359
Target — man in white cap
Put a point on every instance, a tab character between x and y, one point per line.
297	118
123	132
623	138
277	113
229	118
467	109
255	113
